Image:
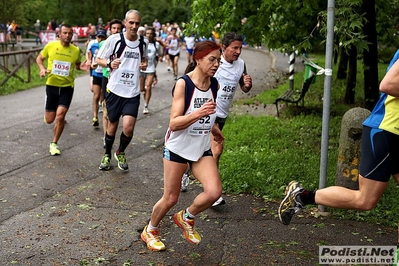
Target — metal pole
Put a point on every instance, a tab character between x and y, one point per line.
291	70
326	96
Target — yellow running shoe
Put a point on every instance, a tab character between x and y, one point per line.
152	239
291	204
94	122
54	149
190	234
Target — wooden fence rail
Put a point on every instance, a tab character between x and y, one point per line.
21	57
12	61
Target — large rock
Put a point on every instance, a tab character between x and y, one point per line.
350	148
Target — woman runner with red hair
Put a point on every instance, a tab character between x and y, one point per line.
187	141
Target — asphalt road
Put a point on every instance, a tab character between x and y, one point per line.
63	211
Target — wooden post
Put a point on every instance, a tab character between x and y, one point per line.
6	57
350	148
28	67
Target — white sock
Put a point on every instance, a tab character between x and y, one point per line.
187	215
150	227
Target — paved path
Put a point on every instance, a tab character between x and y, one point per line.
64	211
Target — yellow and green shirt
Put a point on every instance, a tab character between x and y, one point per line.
385	113
61	63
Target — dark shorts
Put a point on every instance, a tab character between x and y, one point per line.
97	80
145	75
173	157
118	106
380	154
58	96
220	121
91	72
172	57
190	51
104	86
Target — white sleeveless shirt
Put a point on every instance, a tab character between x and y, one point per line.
124	81
192	142
228	76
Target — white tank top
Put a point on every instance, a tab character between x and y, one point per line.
175	49
228	76
152	53
124	81
192	142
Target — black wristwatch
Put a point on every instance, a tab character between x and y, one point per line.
109	65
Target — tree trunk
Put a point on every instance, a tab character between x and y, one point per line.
351	77
343	64
370	57
336	54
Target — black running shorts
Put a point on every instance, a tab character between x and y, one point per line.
97	80
104	84
118	106
173	157
380	154
58	96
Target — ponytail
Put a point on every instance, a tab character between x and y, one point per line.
190	67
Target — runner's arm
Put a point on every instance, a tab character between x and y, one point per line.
180	121
39	61
77	64
390	83
245	81
103	55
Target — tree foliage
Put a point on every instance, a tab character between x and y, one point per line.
299	24
82	12
276	23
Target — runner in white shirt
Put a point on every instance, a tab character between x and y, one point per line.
173	43
189	43
187	141
147	76
231	74
125	54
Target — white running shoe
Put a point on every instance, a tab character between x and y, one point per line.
184	182
219	202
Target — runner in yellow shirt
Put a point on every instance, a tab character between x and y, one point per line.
62	59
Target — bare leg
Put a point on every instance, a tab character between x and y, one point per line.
205	170
366	198
59	123
173	173
142	86
105	117
149	80
217	150
175	65
96	99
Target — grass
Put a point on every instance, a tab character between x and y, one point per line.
13	84
263	154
